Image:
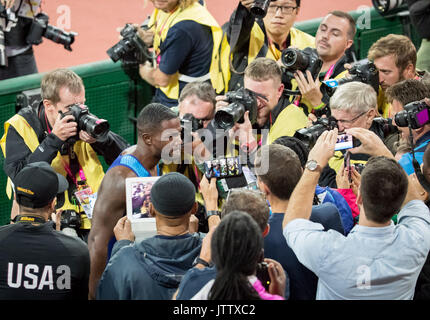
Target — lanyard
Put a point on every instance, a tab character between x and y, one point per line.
66	165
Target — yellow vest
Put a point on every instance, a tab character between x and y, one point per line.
86	155
287	123
299	39
383	106
163	21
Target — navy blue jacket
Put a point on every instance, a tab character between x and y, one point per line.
148	270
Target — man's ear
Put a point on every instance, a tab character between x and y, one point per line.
48	104
266	231
280	90
147	138
409	71
195	207
263	187
349	43
151	210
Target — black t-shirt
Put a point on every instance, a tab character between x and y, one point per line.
187	49
40	263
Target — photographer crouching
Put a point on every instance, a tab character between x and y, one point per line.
353	105
61	131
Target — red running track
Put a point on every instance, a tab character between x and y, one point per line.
96	23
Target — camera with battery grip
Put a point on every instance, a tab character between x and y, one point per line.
240	101
86	121
365	72
70	222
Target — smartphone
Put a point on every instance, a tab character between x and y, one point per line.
223	168
347	164
263	274
345	141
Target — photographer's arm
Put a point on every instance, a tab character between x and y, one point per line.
371	144
154	76
301	200
110	146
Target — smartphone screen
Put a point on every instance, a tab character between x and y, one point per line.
223	168
344	141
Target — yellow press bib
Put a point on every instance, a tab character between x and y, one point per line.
87	158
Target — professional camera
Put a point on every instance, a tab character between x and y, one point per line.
40	28
189	122
241	100
295	59
310	135
259	8
365	73
86	121
131	48
385	7
415	115
70	222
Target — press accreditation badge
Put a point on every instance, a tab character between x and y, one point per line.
87	199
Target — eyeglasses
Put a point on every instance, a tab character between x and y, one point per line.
284	9
352	120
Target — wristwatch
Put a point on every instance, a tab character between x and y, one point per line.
210	213
312	165
199	260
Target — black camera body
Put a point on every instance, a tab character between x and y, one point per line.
131	48
188	121
295	59
86	121
415	115
259	8
240	101
365	73
310	135
40	27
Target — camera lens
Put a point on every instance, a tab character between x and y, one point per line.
293	59
93	125
225	118
401	119
259	8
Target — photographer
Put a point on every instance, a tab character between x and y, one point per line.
250	37
19	55
185	38
21	26
395	56
264	77
400	95
335	35
51	132
353	105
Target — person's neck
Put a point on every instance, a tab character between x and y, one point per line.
172	231
26	213
328	63
363	221
146	157
277	205
279	39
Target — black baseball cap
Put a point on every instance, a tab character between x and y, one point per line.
37	184
173	194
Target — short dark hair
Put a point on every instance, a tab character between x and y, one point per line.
345	15
384	185
251	202
408	91
151	117
201	89
284	170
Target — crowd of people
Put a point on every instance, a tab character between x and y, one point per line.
300	218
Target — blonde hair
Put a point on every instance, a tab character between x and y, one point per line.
53	81
262	69
401	47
